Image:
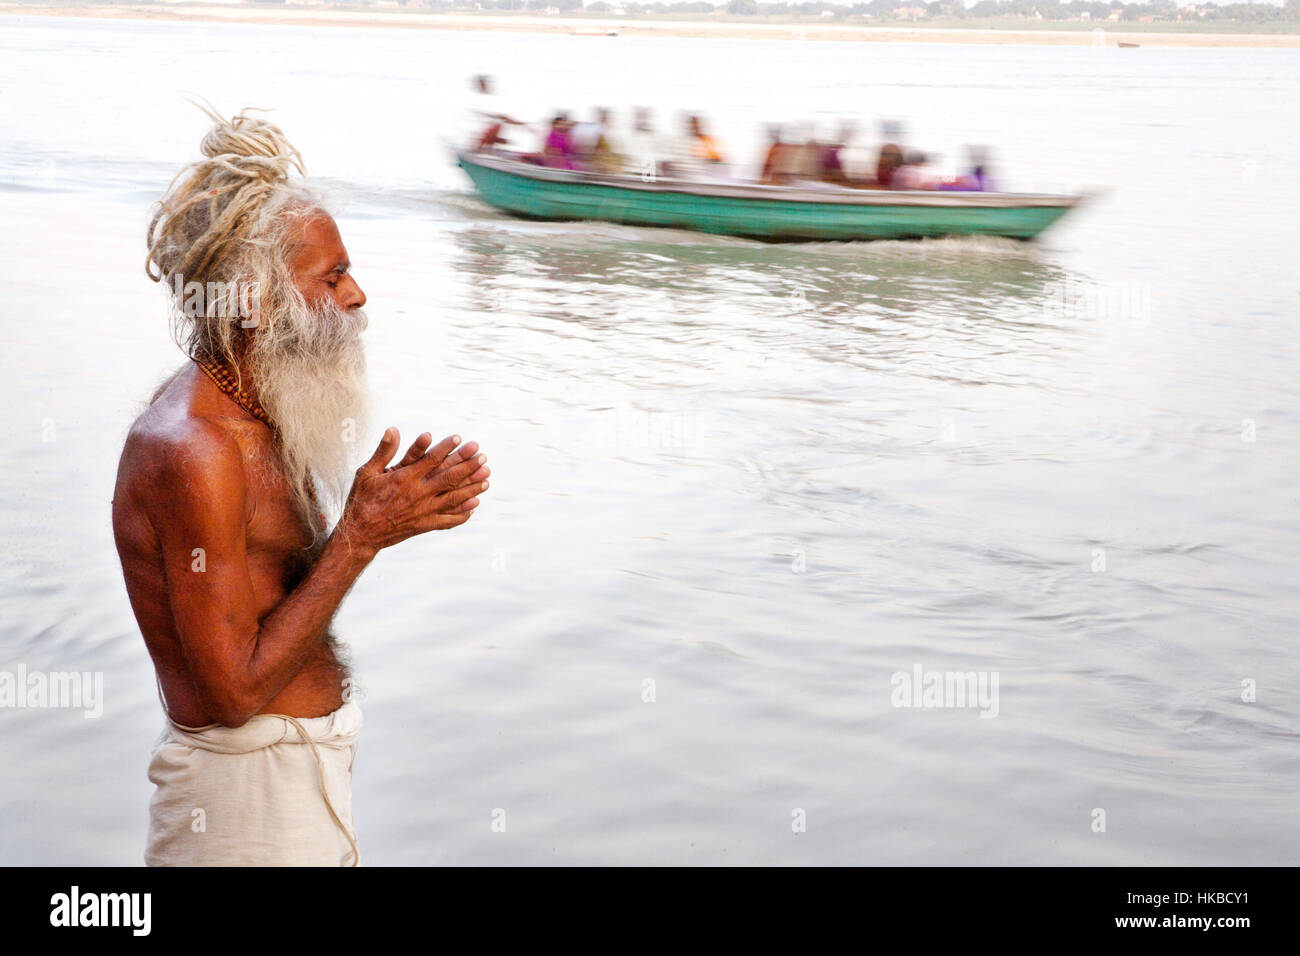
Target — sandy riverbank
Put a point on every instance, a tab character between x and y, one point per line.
316	16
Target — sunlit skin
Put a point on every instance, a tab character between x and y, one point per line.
249	634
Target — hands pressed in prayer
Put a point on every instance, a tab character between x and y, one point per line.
433	488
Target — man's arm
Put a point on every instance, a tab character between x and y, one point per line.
236	662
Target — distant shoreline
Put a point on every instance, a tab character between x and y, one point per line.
1079	35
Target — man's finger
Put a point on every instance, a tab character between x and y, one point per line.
383	454
443	522
462	453
436	455
445	479
449	502
418	448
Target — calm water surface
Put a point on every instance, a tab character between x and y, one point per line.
765	478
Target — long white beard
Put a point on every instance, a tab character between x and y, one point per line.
309	366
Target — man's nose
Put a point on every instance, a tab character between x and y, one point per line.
353	297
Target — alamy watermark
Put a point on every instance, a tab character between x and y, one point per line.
218	300
66	689
75	908
637	427
1121	302
921	688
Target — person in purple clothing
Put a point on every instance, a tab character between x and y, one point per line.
977	180
558	150
832	166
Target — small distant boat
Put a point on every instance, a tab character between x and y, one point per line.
1128	46
775	213
589	32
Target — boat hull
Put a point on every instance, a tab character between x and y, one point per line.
773	213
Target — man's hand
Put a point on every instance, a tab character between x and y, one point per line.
430	489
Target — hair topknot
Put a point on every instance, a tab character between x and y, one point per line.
213	205
227	218
249	146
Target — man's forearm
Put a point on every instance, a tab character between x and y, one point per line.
288	635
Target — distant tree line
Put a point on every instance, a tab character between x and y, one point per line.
885	9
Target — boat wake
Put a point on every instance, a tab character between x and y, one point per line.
586	234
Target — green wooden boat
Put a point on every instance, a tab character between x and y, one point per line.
810	212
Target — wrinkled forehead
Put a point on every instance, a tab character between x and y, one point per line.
315	245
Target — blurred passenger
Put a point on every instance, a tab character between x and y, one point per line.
979	160
557	149
776	160
706	147
795	156
978	179
491	125
607	155
891	153
807	163
915	173
585	135
695	154
645	149
887	165
831	166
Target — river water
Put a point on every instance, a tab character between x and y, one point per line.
737	488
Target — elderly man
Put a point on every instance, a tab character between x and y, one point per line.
240	522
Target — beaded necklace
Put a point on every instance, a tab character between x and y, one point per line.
224	380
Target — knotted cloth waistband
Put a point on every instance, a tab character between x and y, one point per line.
337	731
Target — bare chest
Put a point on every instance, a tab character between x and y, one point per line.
278	541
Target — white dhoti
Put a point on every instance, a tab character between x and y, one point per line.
274	792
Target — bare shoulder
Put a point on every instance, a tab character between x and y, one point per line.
175	460
185	449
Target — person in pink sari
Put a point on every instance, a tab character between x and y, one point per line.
558	150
